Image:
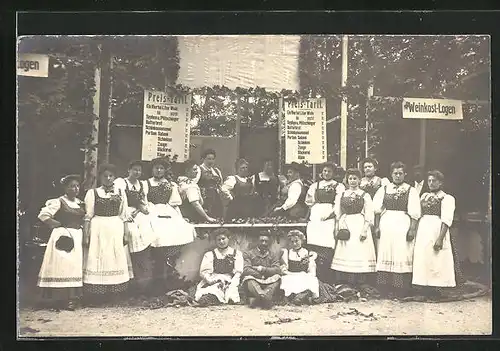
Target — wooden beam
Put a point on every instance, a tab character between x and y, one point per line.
343	106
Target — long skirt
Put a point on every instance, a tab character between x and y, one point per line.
298	282
354	255
430	267
224	292
107	267
139	232
169	227
320	233
212	202
242	207
395	255
60	275
142	264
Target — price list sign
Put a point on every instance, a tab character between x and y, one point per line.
166	125
305	131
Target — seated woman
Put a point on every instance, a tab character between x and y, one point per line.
354	259
239	190
267	185
61	274
433	264
293	195
298	279
170	230
220	272
192	201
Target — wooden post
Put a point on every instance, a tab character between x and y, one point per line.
238	126
369	95
281	132
110	110
104	104
343	106
314	173
423	139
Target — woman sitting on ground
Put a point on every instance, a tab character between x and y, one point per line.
298	279
220	272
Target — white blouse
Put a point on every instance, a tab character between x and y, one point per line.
311	193
231	182
294	255
207	263
189	190
293	194
90	201
413	199
175	197
447	206
53	205
368	211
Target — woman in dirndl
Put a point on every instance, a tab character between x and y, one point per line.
170	231
323	197
293	195
138	230
209	179
354	258
371	182
107	267
192	202
433	264
61	277
267	186
298	280
397	210
239	190
220	272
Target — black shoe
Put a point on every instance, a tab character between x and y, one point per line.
252	302
266	304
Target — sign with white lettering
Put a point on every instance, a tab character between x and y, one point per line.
166	125
305	130
33	65
432	109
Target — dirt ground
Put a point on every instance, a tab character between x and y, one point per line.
377	317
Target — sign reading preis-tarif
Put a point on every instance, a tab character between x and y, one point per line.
166	125
305	130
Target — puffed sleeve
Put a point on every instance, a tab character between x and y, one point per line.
50	209
175	197
123	205
120	184
368	209
192	193
228	186
312	263
378	200
448	210
207	266
338	196
198	174
89	204
238	262
310	200
414	204
145	188
385	181
293	196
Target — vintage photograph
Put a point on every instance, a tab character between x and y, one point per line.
254	185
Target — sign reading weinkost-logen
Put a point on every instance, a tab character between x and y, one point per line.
432	109
33	65
166	125
305	130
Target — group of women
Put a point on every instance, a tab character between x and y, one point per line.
127	229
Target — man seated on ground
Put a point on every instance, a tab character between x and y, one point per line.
261	273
